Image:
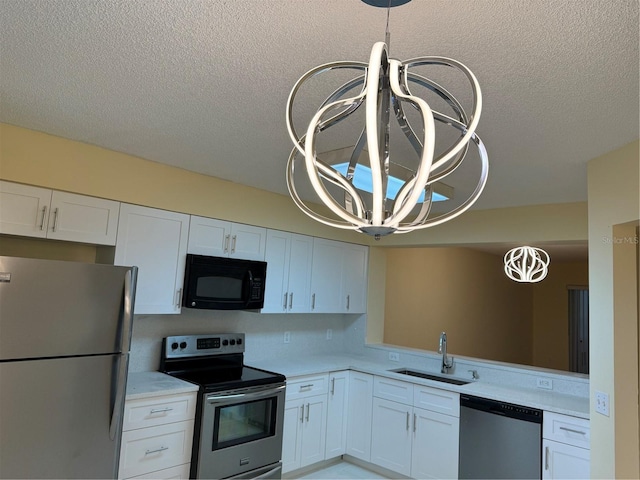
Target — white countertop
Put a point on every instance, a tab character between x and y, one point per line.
541	399
153	384
146	384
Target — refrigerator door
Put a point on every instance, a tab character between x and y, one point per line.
52	308
55	417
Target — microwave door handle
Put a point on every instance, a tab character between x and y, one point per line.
249	288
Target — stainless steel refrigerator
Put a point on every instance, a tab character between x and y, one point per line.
65	331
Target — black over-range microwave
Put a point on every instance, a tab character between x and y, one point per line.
219	283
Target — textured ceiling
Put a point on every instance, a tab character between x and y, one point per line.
202	84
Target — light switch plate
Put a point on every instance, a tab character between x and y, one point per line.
287	337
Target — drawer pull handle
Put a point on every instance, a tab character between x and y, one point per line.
306	387
157	450
161	410
573	431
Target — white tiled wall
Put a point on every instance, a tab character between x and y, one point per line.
264	334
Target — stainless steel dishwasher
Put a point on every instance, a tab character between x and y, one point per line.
499	440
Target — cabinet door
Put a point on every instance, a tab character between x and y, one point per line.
208	236
326	284
564	461
300	265
79	218
156	242
277	255
354	278
24	210
292	435
435	445
247	242
391	435
336	414
313	430
359	415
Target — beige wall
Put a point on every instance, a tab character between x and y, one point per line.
551	313
460	291
614	211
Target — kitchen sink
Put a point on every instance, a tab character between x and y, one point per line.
430	376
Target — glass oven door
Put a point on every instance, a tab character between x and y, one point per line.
240	430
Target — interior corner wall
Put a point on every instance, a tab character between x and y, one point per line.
551	313
613	199
460	291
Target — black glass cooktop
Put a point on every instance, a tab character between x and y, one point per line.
211	380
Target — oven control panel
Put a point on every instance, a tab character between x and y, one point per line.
201	345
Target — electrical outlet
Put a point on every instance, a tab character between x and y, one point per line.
602	403
287	337
545	383
394	356
329	334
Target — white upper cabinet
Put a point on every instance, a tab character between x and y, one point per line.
40	212
219	238
156	242
289	259
339	277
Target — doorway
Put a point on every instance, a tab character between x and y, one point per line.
579	329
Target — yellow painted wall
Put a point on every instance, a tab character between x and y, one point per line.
551	313
460	291
614	201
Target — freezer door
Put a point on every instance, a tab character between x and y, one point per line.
52	308
56	416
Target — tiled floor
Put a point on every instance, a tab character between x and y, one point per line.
342	470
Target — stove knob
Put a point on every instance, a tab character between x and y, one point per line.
183	344
232	341
225	342
174	345
239	341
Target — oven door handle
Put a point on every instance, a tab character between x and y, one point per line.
214	399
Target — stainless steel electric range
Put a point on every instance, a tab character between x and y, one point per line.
240	409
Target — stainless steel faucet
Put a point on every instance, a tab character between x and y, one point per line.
447	363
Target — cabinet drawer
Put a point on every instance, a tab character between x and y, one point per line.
437	400
394	390
149	412
181	472
565	429
301	387
155	448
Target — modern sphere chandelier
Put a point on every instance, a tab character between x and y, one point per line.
383	86
526	264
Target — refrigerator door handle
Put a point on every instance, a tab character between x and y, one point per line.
120	391
130	279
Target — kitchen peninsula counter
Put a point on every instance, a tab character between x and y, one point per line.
548	400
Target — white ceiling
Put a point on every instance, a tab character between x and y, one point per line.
202	84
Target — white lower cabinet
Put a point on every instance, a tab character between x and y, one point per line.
412	441
565	447
360	407
305	422
337	405
157	437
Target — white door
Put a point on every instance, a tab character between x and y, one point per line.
292	435
360	404
277	257
24	210
435	445
247	242
79	218
354	278
208	236
336	414
313	430
391	435
564	461
326	285
156	242
300	265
